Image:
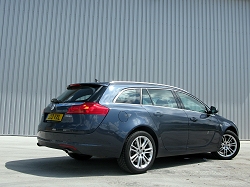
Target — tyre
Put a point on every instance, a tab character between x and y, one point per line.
79	156
138	153
230	146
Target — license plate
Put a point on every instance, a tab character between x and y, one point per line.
54	117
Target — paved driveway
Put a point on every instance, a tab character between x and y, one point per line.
22	163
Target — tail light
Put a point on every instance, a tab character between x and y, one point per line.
88	108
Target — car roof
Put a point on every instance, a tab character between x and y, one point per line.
132	84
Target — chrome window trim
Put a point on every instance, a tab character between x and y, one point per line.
149	83
146	88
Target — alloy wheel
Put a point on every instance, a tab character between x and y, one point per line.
141	152
228	146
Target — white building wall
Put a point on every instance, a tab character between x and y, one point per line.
201	46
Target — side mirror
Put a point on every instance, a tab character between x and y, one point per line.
213	110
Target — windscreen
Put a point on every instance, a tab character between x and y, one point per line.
77	94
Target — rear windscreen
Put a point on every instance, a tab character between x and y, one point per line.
77	94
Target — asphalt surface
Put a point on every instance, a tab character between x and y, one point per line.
23	163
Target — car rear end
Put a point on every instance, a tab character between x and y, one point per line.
74	113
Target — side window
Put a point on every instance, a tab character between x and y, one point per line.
162	98
146	100
191	103
131	96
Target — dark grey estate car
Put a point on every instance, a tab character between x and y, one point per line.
134	122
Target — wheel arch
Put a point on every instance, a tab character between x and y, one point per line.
148	130
231	128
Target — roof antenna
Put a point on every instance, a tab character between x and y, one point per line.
96	80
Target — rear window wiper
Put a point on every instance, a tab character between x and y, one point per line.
55	100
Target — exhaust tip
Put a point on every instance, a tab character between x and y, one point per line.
68	151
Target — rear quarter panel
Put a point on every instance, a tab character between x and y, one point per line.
121	120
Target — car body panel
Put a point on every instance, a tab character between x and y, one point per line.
202	129
69	123
172	125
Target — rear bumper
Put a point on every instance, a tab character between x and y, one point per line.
89	144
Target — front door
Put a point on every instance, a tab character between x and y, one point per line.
202	126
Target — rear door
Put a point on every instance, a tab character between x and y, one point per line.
171	121
64	113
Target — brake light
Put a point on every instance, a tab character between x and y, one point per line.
88	108
72	86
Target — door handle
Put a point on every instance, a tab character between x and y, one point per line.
193	119
158	114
